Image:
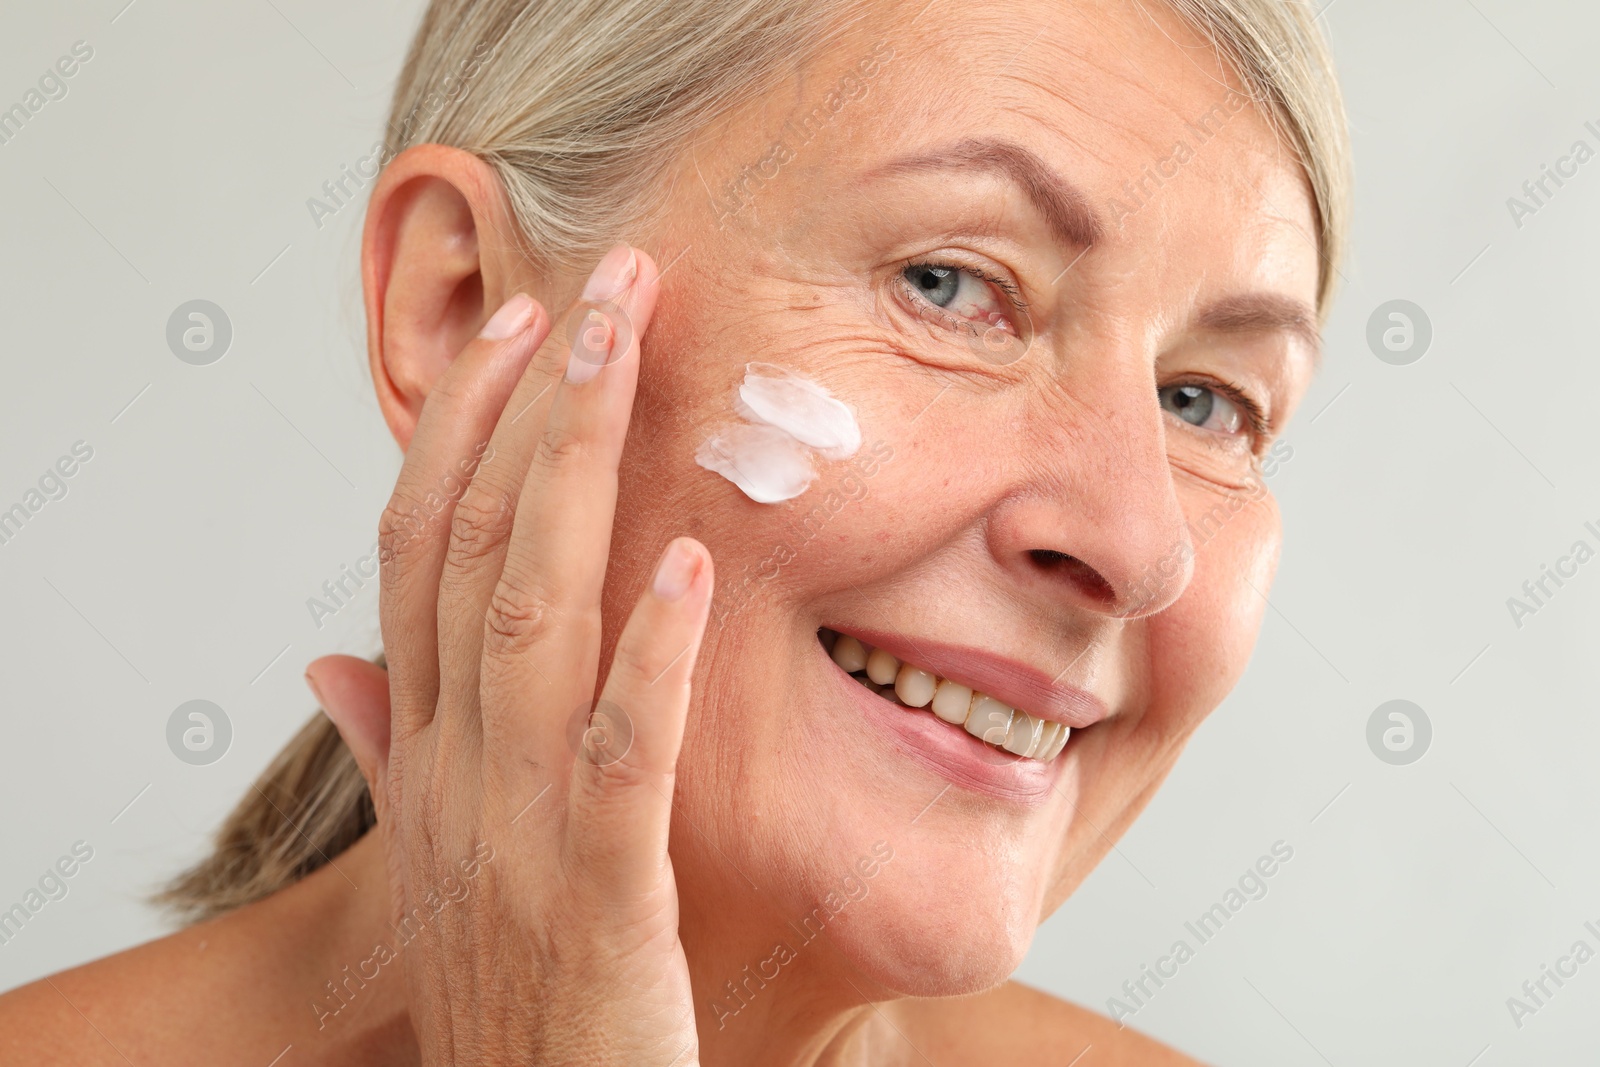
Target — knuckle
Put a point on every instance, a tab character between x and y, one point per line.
520	613
406	525
558	447
482	524
617	780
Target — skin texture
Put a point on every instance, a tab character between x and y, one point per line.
1032	508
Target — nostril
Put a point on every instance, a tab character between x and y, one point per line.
1075	570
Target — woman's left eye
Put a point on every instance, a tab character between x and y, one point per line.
1206	408
958	292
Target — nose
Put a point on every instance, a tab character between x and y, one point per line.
1098	524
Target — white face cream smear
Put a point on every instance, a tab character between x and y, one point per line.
789	420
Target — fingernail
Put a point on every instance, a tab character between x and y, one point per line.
591	347
311	683
509	320
615	272
676	571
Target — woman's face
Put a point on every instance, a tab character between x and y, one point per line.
1066	279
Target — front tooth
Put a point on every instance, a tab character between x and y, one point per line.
951	702
1054	750
914	686
882	667
1047	737
849	654
1023	736
989	720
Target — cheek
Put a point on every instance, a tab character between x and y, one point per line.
1203	642
693	362
1186	658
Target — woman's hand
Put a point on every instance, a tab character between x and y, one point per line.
527	842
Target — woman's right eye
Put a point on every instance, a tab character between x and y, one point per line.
959	295
1203	407
937	285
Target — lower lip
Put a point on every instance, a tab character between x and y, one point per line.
950	751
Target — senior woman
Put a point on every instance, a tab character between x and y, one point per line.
957	338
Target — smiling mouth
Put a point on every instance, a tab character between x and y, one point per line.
917	689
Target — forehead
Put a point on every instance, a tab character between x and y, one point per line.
1120	98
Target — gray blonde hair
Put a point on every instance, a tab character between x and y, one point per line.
580	106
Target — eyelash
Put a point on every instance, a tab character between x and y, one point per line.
1006	285
1255	417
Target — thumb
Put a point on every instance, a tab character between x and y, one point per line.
355	694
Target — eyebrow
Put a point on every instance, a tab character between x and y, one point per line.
1264	313
1066	209
1064	206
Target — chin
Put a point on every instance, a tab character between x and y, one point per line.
941	929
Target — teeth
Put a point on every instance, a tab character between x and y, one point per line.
989	720
1024	735
1047	737
914	686
882	667
979	714
951	702
1048	754
849	654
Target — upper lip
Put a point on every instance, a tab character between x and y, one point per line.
1012	682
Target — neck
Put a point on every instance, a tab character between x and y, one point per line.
779	992
338	1003
794	1027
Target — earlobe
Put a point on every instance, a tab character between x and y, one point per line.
436	256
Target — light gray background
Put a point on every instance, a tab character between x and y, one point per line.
1418	499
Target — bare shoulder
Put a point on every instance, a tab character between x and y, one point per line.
1020	1026
244	987
89	1014
38	1025
181	999
197	996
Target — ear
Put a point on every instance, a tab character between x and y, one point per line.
438	256
355	695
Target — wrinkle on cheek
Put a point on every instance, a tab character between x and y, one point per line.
1235	533
1247	484
835	330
